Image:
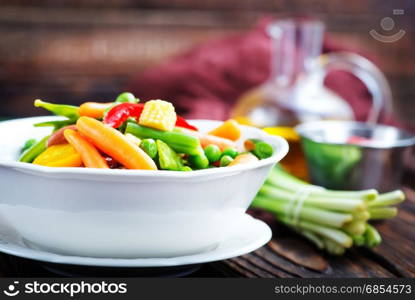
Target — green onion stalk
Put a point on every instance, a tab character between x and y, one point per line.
332	220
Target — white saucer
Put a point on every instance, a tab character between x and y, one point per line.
251	235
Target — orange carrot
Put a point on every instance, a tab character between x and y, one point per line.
115	144
93	109
229	130
89	154
243	159
208	139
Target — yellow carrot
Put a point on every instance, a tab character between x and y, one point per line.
208	139
243	159
62	155
115	144
89	154
93	109
229	130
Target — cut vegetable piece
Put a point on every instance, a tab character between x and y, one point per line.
135	140
158	114
63	155
115	144
168	159
228	129
186	169
150	147
58	138
93	109
208	139
181	122
225	161
120	113
89	154
243	158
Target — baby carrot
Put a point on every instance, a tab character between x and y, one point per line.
229	130
115	144
208	139
243	159
89	154
93	109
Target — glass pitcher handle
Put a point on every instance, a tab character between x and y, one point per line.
367	72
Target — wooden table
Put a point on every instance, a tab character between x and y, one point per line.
286	255
289	255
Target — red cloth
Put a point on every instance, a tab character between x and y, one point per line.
206	81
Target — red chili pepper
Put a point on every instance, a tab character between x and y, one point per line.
121	112
117	115
181	122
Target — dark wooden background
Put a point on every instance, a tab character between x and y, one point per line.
71	51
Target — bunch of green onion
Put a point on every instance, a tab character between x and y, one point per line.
332	220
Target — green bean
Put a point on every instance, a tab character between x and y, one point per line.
199	160
34	151
28	144
69	111
58	124
180	142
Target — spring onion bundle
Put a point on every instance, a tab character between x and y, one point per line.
332	220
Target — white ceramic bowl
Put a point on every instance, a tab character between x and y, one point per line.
124	213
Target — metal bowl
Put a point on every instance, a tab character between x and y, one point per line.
336	164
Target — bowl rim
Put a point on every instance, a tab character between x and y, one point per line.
280	146
304	130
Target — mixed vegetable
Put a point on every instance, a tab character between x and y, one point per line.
126	134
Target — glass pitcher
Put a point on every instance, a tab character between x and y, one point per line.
295	92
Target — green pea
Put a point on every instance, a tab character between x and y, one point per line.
150	147
213	153
263	150
230	152
126	97
225	160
